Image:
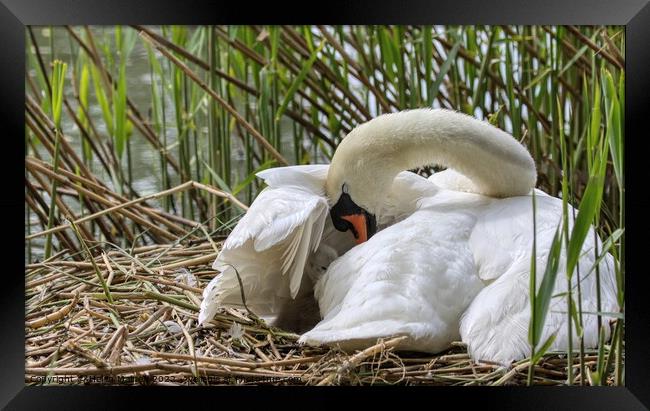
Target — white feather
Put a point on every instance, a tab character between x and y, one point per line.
268	247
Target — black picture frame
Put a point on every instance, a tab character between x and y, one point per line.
634	14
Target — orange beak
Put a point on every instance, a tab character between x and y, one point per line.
358	221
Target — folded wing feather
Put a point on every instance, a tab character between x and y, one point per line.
269	248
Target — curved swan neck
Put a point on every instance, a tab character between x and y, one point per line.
370	157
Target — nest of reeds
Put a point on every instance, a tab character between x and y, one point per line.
130	317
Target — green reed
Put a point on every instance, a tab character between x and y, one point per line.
56	102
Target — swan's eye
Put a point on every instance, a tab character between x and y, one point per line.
344	188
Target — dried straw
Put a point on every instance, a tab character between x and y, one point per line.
149	334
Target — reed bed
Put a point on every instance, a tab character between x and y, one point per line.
142	330
227	101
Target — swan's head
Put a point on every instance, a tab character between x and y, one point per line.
348	215
356	183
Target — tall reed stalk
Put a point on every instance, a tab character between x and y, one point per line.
56	101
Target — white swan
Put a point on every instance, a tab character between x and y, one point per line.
452	263
459	265
286	241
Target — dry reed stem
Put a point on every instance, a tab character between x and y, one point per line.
357	358
55	316
181	187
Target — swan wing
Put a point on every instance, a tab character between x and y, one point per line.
450	179
404	198
269	247
503	234
495	326
307	177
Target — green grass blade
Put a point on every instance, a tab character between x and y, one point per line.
222	184
594	129
543	297
58	77
589	205
100	95
288	98
539	353
251	177
444	69
532	337
427	46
